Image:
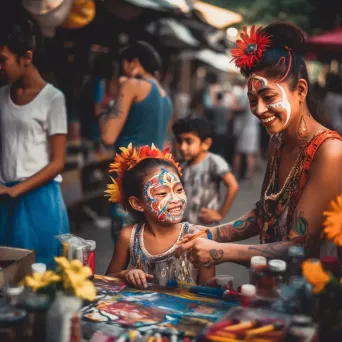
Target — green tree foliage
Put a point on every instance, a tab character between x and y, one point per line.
310	15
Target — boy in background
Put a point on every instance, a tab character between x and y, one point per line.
203	173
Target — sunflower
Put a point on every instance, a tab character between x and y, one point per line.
250	47
333	221
315	275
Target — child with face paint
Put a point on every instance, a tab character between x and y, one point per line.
149	186
304	158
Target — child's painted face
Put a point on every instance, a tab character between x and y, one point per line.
269	102
164	196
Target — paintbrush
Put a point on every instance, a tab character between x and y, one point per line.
265	329
242	325
202	232
215	338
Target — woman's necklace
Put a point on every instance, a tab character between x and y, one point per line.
291	183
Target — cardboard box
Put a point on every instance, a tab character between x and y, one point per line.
15	264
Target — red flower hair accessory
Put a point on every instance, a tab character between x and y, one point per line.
250	48
126	160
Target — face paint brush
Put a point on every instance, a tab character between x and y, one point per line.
202	232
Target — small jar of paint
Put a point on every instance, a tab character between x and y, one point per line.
257	263
277	270
248	294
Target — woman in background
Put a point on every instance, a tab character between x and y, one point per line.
33	128
142	109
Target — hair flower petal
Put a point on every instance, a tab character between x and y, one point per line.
250	47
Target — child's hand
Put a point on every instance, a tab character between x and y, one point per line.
210	215
137	278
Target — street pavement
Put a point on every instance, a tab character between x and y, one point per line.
245	200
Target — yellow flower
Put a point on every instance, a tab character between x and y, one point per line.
315	275
62	262
84	289
113	191
74	266
39	280
333	221
75	274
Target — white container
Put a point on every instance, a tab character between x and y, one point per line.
224	280
38	268
48	13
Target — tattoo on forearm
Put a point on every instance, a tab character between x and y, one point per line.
117	108
238	230
272	250
216	254
242	224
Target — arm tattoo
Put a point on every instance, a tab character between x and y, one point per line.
116	111
237	230
272	250
300	226
301	235
216	254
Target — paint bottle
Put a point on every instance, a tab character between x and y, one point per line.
296	256
277	270
248	293
301	329
257	263
264	282
90	255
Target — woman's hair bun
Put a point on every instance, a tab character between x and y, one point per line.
285	34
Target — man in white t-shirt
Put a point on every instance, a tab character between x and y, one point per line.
33	128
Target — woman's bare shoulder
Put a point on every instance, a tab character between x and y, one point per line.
329	156
330	149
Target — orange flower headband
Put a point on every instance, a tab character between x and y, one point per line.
129	158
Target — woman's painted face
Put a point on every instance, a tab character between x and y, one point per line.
164	196
269	103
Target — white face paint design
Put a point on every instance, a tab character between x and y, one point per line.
255	84
284	104
167	180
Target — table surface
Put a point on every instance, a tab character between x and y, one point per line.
119	307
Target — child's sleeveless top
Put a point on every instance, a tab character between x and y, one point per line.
164	266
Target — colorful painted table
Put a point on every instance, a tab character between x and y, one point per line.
119	307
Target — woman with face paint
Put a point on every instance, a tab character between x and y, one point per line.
304	171
148	185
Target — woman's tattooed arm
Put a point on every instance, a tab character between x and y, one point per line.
240	229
